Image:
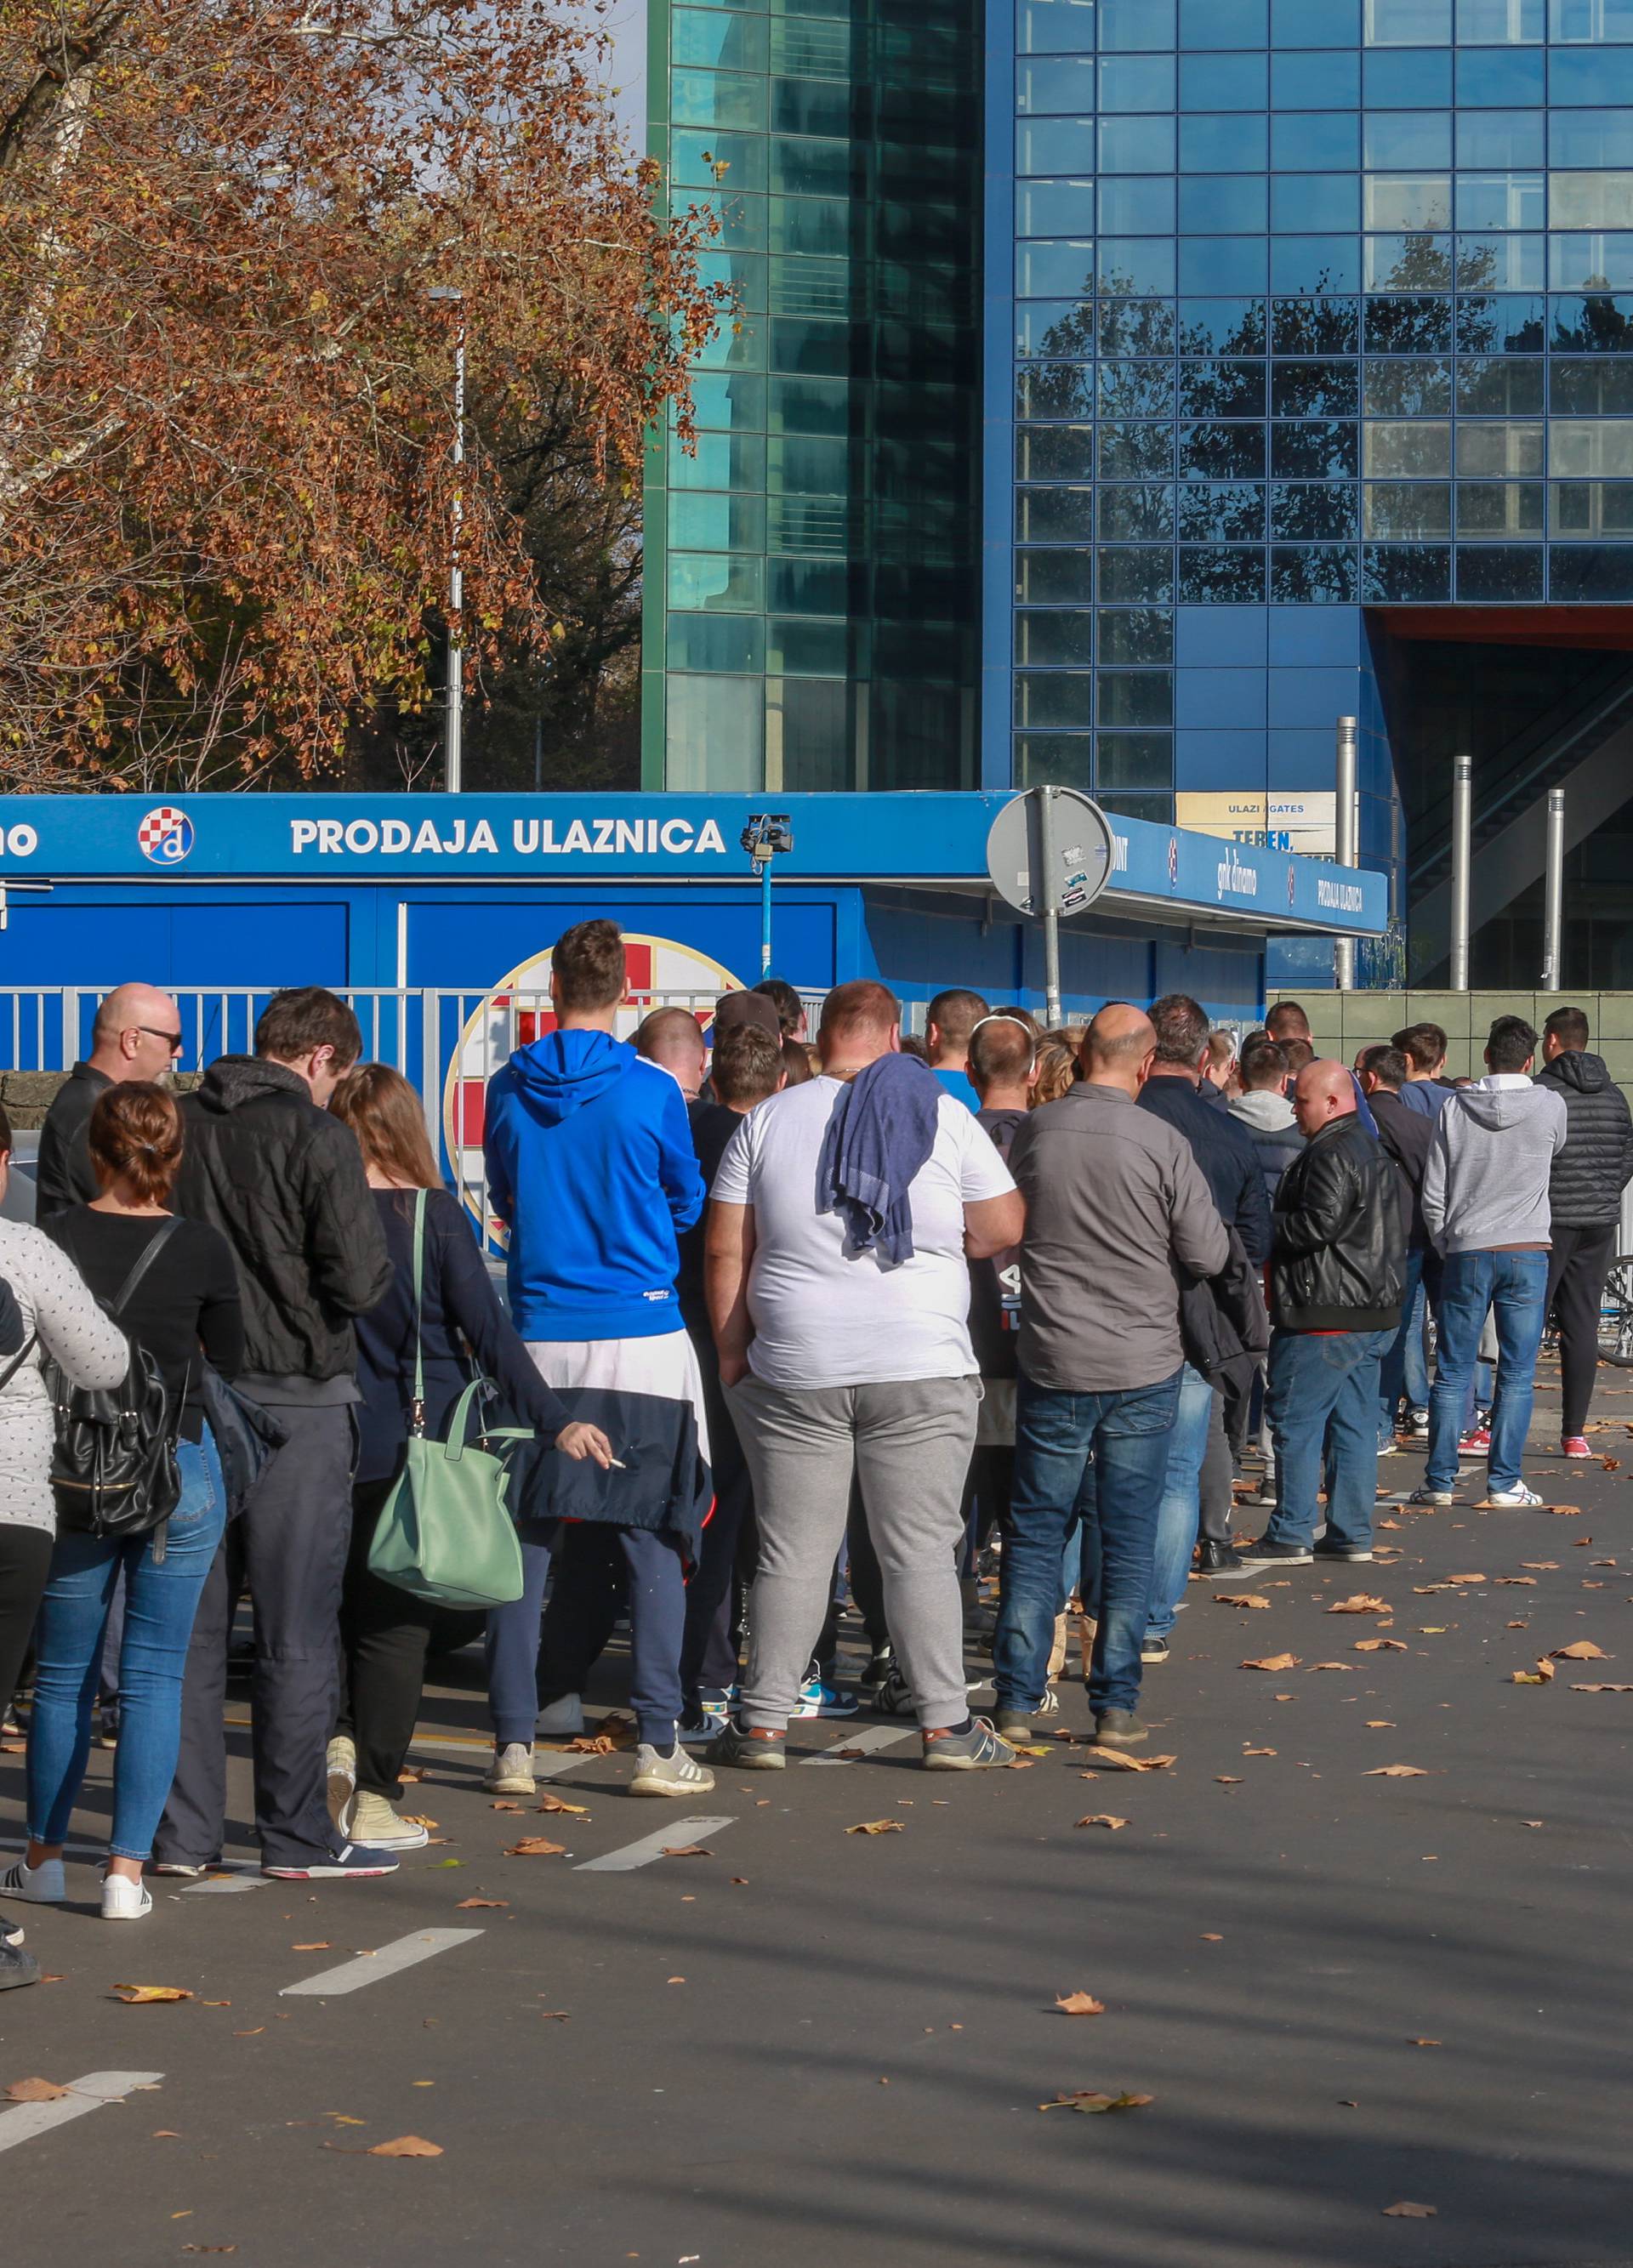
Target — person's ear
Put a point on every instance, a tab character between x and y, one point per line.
130	1040
896	1039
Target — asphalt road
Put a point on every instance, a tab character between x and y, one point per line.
1342	1992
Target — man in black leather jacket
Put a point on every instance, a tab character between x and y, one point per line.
1336	1276
1584	1205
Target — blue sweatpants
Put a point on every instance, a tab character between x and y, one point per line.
655	1567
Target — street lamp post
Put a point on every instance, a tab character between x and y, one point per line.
454	748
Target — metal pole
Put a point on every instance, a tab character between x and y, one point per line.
454	761
765	925
1554	901
1046	897
1462	852
1344	842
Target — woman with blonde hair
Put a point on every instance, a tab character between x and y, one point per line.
463	1331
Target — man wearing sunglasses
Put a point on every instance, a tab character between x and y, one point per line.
136	1036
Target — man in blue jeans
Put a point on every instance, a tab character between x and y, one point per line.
1114	1199
1336	1273
1487	1204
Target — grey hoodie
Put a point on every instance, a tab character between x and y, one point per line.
1486	1183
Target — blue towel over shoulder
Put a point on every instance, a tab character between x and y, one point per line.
879	1139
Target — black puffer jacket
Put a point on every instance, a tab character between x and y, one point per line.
284	1182
1340	1231
1596	1164
1223	1323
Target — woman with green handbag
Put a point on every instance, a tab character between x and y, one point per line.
423	1351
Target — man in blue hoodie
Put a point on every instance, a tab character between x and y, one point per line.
591	1161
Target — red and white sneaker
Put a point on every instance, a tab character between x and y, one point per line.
1574	1445
1475	1444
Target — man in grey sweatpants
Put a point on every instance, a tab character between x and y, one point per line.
837	1362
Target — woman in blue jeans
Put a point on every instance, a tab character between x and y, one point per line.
184	1311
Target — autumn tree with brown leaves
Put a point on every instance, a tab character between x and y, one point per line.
229	229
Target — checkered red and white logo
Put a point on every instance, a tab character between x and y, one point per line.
165	835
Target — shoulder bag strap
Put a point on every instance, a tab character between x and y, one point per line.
17	1360
418	1424
149	1254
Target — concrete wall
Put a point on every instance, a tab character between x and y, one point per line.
1341	1022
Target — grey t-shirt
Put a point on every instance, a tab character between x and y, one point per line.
1113	1196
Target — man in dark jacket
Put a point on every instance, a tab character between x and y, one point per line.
1196	1497
1336	1273
1407	1135
284	1181
1584	1201
1264	1111
136	1036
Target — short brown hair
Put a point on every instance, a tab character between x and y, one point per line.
861	1006
746	1065
1181	1026
789	1006
1387	1065
1299	1054
135	1132
1286	1020
294	1023
1002	1049
384	1112
587	964
1423	1045
798	1063
666	1033
954	1015
1264	1066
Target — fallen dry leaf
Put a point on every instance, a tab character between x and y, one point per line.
1213	1937
547	1802
1273	1661
1564	1511
535	1846
1516	1582
1381	1646
1102	1819
1395	1771
685	1851
1086	2099
1425	2044
1120	1760
1239	1599
1602	1688
876	1827
412	1772
419	1819
1542	1566
1363	1602
1079	2004
406	2145
1407	2210
165	2134
592	1744
1259	1752
131	1994
318	1945
1582	1649
465	1905
1227	1779
1348	1667
674	1980
504	1804
1468	1578
36	2090
1611	1464
560	2015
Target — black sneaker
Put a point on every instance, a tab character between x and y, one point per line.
878	1669
1266	1553
1261	1499
1216	1559
1153	1650
347	1863
1118	1728
1327	1547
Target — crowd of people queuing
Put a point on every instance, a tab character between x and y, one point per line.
789	1319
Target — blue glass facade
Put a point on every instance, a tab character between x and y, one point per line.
1298	312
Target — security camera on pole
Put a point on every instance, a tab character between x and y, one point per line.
768	836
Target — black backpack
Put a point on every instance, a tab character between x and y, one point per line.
114	1471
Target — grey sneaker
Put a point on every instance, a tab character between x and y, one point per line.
980	1750
675	1774
376	1826
1118	1728
747	1752
562	1719
512	1771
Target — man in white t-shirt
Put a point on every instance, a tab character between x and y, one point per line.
835	1364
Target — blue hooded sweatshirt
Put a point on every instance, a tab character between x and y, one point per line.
591	1161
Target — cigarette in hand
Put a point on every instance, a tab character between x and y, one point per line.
617	1464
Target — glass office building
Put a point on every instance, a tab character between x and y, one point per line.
1306	390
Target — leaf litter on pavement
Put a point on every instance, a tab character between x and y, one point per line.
1079	2004
1094	2102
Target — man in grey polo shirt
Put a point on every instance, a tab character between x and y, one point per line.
1115	1199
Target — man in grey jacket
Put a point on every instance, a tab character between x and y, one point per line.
1485	1206
1114	1199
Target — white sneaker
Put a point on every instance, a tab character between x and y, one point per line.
675	1774
377	1826
512	1771
123	1900
340	1765
45	1885
1519	1499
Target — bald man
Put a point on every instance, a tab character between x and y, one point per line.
136	1036
672	1039
1337	1274
1114	1199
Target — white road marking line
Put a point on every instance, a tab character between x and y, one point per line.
651	1846
89	2094
869	1742
386	1960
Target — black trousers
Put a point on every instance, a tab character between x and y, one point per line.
1576	1267
291	1543
708	1664
386	1635
24	1562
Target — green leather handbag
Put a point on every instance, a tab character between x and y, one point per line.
445	1532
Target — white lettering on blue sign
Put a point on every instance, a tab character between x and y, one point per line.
1235	879
596	838
1338	897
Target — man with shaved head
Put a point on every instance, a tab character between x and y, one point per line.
1337	1273
1115	1199
671	1038
136	1036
